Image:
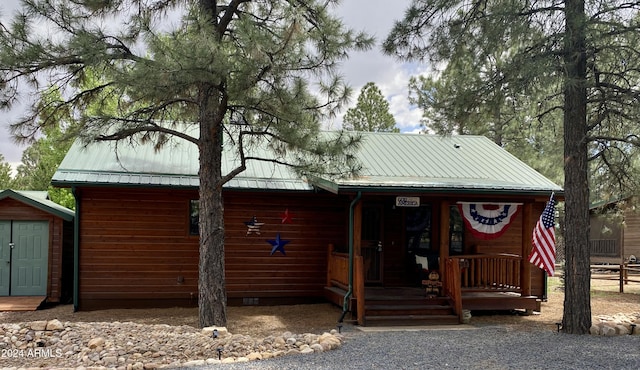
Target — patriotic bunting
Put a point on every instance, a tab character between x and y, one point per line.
488	220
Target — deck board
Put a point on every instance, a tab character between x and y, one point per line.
26	303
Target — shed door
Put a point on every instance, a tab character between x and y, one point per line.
25	256
5	257
29	259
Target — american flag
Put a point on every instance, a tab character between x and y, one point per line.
543	253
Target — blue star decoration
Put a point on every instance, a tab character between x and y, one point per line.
278	244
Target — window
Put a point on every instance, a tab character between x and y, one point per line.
418	229
194	216
456	232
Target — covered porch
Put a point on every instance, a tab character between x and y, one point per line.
409	227
468	275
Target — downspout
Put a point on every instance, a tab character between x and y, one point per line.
345	304
76	250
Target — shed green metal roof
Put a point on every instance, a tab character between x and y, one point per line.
39	200
390	161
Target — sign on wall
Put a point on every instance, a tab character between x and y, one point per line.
407	201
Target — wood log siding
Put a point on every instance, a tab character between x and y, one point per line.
318	220
136	249
134	246
632	234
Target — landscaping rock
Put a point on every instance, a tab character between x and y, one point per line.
38	325
54	325
618	324
132	346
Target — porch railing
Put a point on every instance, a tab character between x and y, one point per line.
452	285
338	276
490	272
604	248
337	268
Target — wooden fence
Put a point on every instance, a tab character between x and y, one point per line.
627	273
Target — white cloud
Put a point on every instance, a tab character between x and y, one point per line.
377	17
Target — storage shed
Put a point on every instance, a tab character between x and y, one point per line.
36	246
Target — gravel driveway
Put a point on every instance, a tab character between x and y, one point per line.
475	348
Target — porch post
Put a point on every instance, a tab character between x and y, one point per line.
444	238
358	279
527	232
357	229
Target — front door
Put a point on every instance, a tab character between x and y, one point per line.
371	247
24	252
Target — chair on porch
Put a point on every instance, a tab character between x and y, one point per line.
424	265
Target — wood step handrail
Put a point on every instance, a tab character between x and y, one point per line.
452	286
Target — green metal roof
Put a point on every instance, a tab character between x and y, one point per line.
174	165
390	161
435	163
39	199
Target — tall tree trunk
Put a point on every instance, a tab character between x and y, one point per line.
212	295
577	302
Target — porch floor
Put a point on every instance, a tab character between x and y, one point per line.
21	303
487	300
474	300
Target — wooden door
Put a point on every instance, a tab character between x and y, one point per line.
29	258
371	243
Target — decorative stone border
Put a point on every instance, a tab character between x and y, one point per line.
618	324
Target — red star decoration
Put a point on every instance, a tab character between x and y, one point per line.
287	217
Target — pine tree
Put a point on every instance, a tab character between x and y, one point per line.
371	112
238	70
6	182
585	58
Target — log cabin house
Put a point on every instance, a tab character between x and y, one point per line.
389	245
614	232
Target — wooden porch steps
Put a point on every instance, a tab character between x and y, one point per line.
410	307
399	307
426	309
411	320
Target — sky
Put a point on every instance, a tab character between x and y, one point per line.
376	17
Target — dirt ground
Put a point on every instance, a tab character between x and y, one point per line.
261	321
